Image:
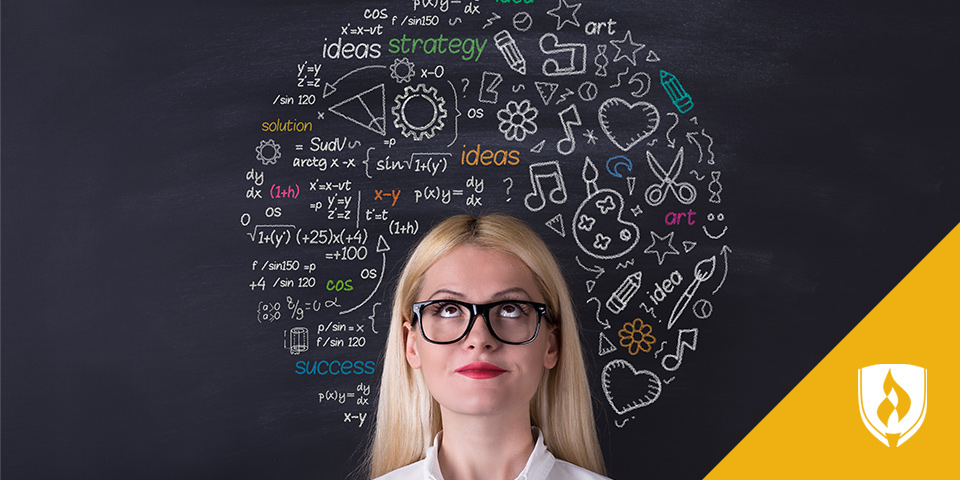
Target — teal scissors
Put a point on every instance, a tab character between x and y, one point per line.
657	193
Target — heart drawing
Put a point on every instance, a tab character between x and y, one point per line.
627	124
648	382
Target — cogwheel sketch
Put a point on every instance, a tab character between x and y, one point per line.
416	104
268	152
402	70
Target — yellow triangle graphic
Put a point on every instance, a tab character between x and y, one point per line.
817	432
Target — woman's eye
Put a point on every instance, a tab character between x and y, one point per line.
510	310
449	311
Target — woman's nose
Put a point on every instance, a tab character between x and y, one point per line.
480	335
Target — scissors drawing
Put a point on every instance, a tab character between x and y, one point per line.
656	193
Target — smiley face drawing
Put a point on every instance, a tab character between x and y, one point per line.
598	224
711	218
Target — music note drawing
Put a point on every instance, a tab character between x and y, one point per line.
686	338
549	171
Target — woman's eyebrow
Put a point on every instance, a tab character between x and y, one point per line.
447	291
510	292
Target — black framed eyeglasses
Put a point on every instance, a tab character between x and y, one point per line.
514	322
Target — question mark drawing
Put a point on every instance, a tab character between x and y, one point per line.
466	83
508	186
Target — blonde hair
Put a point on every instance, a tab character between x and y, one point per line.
407	416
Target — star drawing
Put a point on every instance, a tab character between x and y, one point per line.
591	138
627	42
567	16
661	246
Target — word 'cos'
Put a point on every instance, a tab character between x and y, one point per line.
335	367
340	285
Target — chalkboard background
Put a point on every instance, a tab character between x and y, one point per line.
134	345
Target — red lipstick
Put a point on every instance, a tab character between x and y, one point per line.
480	370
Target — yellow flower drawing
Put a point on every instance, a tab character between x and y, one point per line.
636	336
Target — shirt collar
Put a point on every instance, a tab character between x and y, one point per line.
538	465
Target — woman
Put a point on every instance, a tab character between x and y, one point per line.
483	375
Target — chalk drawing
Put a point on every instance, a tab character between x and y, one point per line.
618	161
373	318
493	18
715	187
624	293
569	118
649	380
413	100
268	152
627	45
511	53
565	13
488	87
546	90
692	138
723	251
661	246
556	224
606	346
644	120
402	70
517	120
619	80
382	247
686	338
663	345
702	309
522	21
672	143
574	53
605	323
608	205
299	340
657	193
719	218
331	88
596	268
366	109
644	80
702	271
637	336
601	61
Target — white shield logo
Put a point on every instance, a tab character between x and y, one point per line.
893	401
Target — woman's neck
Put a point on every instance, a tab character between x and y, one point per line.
485	447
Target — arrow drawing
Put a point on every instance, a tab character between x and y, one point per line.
670	142
382	247
331	88
723	251
691	138
598	269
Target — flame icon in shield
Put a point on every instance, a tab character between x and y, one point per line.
893	401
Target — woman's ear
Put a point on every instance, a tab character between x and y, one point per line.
553	348
413	356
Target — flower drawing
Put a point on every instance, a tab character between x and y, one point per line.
516	120
636	336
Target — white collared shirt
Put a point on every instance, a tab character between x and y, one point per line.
541	465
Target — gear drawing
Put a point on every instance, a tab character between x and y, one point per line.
402	70
268	152
411	103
